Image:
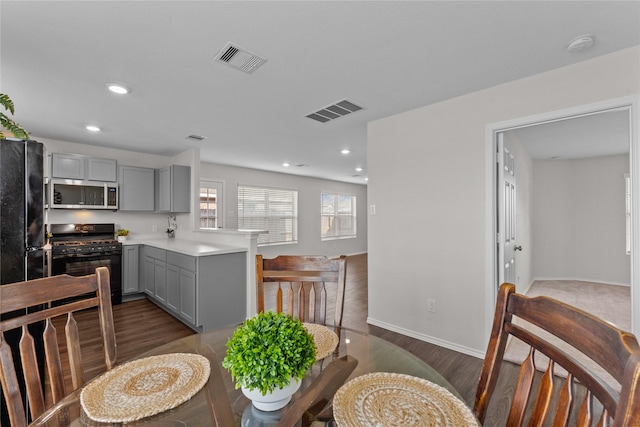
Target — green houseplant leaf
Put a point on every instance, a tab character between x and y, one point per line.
267	350
13	127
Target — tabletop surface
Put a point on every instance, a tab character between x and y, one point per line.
372	353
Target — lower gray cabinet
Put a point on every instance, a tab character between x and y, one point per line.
205	292
155	280
130	269
173	288
188	296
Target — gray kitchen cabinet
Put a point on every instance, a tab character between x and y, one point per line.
155	275
136	188
221	290
204	292
130	269
77	166
69	166
101	169
174	189
160	281
173	288
183	284
149	271
188	296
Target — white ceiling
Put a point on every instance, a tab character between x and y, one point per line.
387	56
601	134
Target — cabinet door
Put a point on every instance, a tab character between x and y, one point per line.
188	296
174	189
130	269
160	281
69	166
101	169
149	279
173	288
164	193
136	189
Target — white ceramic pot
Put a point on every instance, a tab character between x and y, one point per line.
122	238
275	400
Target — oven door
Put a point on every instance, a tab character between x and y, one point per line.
81	265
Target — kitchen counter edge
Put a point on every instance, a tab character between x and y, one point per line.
187	247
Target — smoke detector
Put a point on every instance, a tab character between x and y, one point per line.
580	43
239	58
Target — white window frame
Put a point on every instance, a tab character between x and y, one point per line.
219	187
329	214
270	212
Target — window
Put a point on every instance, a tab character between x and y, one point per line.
271	209
210	204
338	216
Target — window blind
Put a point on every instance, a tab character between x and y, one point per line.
271	209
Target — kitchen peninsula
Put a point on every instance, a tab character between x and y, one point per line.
202	284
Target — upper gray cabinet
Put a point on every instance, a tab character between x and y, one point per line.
136	188
76	166
174	189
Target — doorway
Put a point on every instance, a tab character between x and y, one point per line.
626	107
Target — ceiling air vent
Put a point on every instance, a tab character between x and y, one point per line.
239	58
196	138
334	111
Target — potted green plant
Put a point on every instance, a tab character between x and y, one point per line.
122	234
9	124
267	356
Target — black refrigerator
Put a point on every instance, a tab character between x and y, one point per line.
21	227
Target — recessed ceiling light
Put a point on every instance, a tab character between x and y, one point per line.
345	151
118	88
286	165
358	169
92	128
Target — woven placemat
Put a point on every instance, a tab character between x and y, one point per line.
386	399
324	338
145	387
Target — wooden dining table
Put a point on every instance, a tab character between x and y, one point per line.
373	354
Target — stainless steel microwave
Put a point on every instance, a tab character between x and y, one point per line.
74	194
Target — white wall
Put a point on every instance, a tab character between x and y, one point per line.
579	220
309	190
429	179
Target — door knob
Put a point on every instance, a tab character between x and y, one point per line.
517	248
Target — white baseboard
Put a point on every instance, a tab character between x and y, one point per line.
427	338
582	279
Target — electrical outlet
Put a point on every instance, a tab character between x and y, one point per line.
372	209
431	305
154	228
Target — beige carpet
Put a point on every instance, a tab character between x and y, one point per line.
608	302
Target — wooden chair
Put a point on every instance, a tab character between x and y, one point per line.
71	294
305	279
614	350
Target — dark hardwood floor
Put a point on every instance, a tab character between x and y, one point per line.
140	326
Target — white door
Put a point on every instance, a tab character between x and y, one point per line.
506	239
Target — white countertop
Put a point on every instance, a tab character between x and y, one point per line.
187	247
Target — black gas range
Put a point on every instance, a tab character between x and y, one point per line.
77	249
